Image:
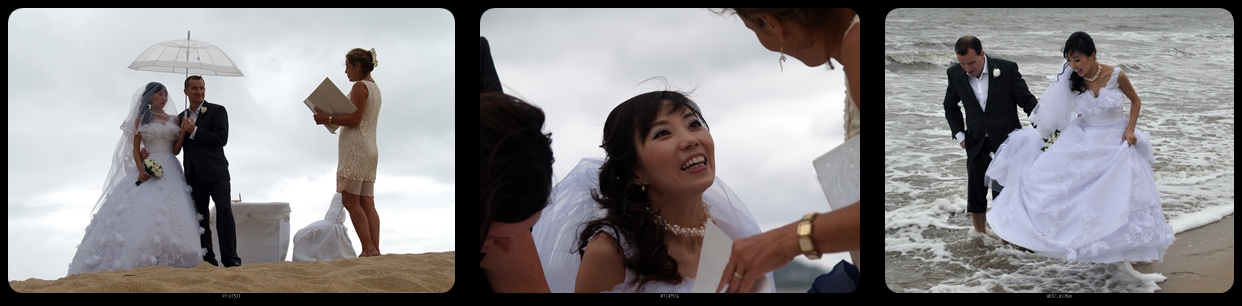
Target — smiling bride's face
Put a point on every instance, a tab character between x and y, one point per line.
677	154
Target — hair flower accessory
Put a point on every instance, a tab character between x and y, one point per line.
374	61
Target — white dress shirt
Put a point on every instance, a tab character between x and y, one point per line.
980	86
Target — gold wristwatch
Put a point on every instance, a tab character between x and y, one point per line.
804	236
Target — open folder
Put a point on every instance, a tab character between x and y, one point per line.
838	172
713	257
331	101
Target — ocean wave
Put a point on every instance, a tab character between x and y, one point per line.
932	59
947	45
1137	67
1045	33
1208	49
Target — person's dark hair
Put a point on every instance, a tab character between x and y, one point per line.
489	81
363	57
145	106
1082	43
193	77
823	24
625	204
967	43
515	161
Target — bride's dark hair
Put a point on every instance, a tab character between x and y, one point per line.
625	204
1082	43
144	107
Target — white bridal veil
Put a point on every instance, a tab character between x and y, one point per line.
1055	109
570	207
123	156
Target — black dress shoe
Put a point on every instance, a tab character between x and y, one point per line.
232	264
212	262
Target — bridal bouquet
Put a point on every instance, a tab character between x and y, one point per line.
153	168
1051	138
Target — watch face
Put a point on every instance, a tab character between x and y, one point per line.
804	229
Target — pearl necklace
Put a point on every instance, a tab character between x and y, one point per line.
1097	73
678	230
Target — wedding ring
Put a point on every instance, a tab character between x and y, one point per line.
737	276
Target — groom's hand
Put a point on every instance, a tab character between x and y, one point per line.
187	125
963	143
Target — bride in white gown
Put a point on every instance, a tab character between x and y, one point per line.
1091	196
641	229
148	224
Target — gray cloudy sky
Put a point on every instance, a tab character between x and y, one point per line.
768	125
69	87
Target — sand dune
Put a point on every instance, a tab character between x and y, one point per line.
427	272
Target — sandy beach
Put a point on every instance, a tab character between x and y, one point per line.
427	272
1199	261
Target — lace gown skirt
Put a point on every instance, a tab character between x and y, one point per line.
1089	197
153	224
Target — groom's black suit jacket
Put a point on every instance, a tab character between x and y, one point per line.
204	161
1005	92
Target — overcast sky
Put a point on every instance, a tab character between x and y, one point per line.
768	125
69	87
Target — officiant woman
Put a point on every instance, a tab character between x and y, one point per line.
814	36
357	153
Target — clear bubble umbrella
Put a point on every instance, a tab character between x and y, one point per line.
186	56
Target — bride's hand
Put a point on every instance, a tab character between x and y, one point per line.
321	118
1129	137
142	176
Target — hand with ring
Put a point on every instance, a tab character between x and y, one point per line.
757	255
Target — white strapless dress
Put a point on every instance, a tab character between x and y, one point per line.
1090	197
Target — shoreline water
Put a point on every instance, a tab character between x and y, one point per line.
1199	261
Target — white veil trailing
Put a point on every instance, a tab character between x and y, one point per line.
1055	109
123	155
571	206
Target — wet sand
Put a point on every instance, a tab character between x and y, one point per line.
1200	260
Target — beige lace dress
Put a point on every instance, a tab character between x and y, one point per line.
851	110
357	152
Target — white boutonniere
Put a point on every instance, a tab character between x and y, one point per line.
202	110
995	72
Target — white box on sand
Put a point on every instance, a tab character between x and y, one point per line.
262	231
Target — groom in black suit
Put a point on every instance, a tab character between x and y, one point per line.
991	89
207	171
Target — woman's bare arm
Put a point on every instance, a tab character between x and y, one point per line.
1124	83
603	265
358	96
